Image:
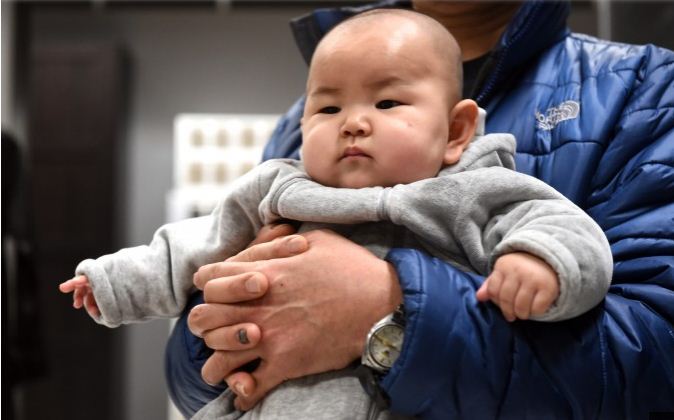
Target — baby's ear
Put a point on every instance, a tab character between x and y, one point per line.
462	125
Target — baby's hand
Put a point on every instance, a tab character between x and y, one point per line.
83	295
521	285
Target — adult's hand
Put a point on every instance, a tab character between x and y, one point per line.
318	307
272	241
268	233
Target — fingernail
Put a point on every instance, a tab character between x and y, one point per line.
242	336
295	245
240	389
252	285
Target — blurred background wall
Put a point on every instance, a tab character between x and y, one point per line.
89	93
166	58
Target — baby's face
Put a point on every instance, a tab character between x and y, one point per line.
377	110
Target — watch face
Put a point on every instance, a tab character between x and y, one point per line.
386	343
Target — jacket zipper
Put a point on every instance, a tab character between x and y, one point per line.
503	53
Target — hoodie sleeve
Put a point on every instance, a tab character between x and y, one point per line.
295	196
155	280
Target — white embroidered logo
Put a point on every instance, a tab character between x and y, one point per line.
565	111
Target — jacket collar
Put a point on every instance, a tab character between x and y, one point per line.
310	28
536	25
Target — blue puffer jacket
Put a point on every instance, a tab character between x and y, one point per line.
595	120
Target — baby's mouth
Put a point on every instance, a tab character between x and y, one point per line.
354	152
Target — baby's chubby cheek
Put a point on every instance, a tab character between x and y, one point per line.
316	168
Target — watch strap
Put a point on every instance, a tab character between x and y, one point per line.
369	380
399	315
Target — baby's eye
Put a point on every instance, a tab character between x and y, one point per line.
387	104
329	110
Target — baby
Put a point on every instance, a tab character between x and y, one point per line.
390	158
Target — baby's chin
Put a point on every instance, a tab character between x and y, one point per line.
362	182
354	180
348	183
357	185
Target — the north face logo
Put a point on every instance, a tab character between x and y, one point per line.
565	111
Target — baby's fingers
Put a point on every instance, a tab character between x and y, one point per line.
81	295
506	298
523	302
78	297
69	285
482	293
542	301
90	304
493	286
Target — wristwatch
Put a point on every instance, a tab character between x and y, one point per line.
382	348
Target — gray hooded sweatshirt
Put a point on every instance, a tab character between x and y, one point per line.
470	214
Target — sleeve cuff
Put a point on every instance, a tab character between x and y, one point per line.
440	307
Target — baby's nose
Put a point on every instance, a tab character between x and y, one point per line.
356	125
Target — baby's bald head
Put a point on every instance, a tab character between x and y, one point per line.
408	28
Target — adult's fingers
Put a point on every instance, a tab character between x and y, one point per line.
233	289
278	248
210	316
221	364
271	232
241	383
209	272
282	247
236	337
266	377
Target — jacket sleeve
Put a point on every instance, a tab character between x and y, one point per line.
616	361
461	356
155	280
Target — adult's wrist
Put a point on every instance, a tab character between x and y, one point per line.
395	293
388	297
